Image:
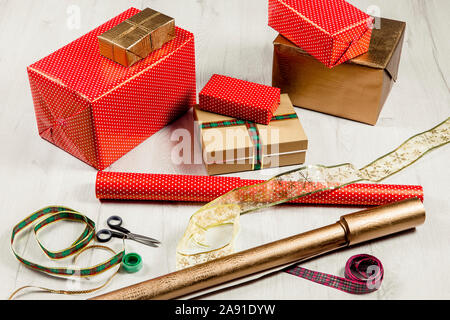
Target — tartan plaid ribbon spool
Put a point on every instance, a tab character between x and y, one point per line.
363	274
253	133
48	216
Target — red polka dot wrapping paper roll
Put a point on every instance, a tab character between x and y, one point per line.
166	187
239	99
331	31
98	110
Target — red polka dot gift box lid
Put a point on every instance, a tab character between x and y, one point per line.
239	99
332	31
97	109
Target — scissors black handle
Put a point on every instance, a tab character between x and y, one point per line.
115	222
105	235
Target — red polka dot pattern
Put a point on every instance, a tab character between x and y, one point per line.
333	31
143	186
360	194
164	187
239	99
97	109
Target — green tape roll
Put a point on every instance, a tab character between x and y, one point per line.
132	263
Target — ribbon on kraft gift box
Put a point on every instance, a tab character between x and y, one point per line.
252	132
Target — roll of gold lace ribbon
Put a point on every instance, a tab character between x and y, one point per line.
212	230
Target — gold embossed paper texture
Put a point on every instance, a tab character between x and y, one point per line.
136	37
356	89
230	149
253	263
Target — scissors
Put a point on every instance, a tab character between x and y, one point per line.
115	223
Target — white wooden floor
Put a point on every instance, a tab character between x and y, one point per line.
232	37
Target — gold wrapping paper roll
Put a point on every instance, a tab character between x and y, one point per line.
350	229
382	221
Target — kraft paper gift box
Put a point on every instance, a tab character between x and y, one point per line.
234	145
239	99
356	89
98	110
331	31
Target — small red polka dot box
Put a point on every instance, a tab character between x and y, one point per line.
98	110
331	31
239	99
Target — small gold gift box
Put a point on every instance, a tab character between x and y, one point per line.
135	38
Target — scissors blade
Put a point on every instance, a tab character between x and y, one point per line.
144	238
144	241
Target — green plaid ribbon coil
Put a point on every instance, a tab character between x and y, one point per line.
252	131
50	215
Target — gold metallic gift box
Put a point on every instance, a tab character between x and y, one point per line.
231	149
356	89
136	37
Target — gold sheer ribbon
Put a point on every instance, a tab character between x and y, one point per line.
212	230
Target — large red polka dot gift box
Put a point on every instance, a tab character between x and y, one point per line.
239	99
332	31
98	110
